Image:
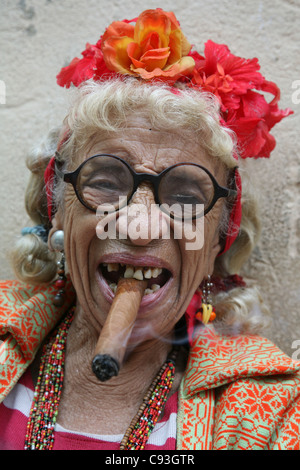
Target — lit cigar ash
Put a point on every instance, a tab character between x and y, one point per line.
112	343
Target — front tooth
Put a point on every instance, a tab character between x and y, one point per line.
112	267
138	274
129	272
155	287
148	273
156	272
148	291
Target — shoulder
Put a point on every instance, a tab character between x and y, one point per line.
216	360
252	387
262	412
27	315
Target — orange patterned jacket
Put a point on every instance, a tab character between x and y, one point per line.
237	392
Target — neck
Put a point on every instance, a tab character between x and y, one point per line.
90	405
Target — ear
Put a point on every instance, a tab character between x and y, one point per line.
57	224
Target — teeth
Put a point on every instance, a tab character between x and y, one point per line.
112	267
129	272
148	291
155	287
113	287
137	272
156	272
152	272
148	273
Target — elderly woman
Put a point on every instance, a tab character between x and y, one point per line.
147	338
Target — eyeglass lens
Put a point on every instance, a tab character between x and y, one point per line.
103	180
186	189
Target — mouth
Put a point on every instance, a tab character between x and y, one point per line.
156	277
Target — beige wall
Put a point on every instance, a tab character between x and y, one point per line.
37	37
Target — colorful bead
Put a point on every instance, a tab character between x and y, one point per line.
141	427
60	283
48	390
44	409
206	314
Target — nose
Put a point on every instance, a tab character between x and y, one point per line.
142	221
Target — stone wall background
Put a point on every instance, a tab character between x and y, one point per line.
38	37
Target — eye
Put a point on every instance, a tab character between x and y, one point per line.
184	199
103	184
187	185
187	194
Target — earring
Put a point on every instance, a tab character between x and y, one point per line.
57	243
206	313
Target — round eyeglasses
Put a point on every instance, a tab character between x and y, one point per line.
184	189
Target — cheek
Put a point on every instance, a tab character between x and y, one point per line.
80	230
199	246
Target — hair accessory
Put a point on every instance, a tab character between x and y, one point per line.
227	283
155	49
235	216
40	230
206	313
57	243
49	177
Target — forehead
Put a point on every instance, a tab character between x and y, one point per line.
147	148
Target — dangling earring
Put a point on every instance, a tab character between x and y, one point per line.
206	313
57	243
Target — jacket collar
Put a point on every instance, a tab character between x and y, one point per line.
217	360
27	315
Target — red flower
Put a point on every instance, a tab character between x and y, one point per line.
234	81
81	70
226	75
154	47
254	119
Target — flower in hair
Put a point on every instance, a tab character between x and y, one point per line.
155	49
80	70
237	84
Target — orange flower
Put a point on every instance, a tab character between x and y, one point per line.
154	48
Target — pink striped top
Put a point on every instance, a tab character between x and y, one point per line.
15	409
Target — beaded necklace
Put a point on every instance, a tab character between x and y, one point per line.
47	394
44	409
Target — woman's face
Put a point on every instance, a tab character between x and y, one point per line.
95	264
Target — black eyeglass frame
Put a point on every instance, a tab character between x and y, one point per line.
138	178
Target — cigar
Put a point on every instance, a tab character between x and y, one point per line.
112	343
